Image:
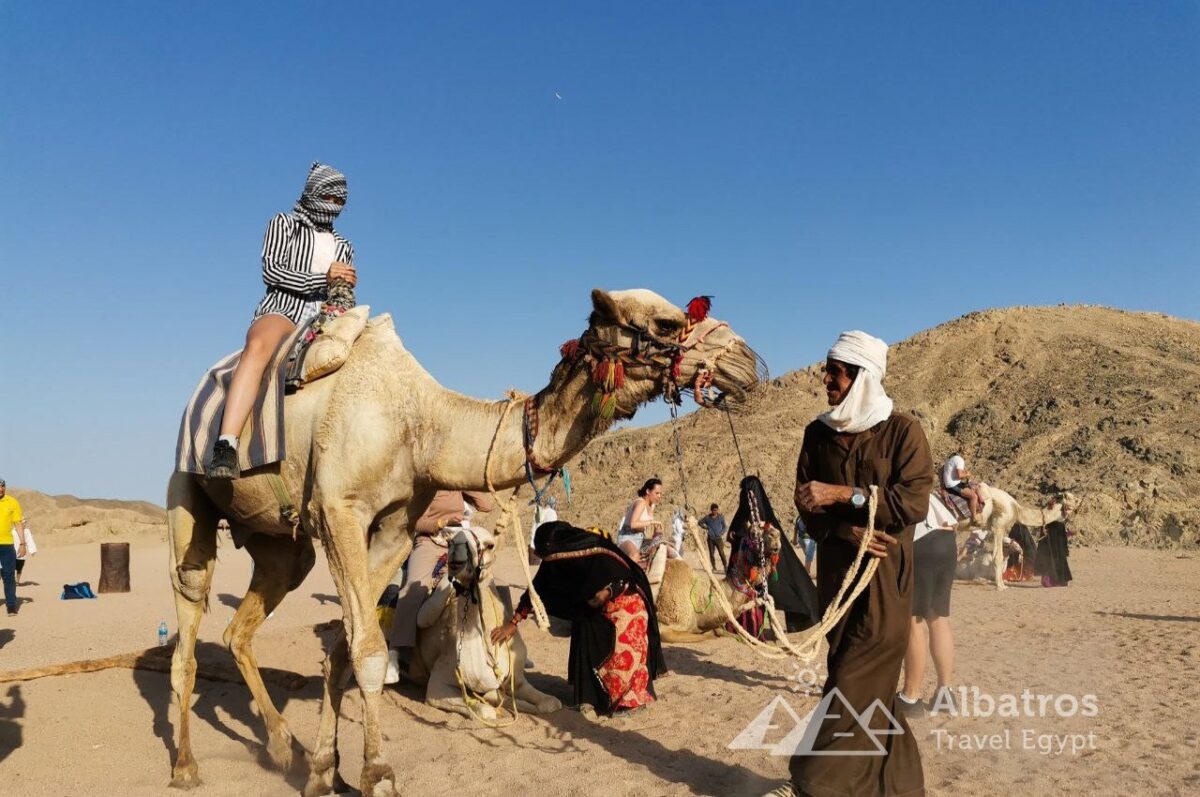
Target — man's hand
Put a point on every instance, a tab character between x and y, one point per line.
21	552
815	496
880	541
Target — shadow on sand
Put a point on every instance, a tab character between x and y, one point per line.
232	697
10	727
1173	618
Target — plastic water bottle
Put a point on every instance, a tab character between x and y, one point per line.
162	634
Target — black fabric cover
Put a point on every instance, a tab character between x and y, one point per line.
790	587
1052	553
565	583
1024	538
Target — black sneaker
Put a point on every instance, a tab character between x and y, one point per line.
224	463
909	708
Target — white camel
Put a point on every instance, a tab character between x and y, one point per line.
1000	512
367	448
463	671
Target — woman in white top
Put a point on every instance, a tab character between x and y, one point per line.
639	530
302	255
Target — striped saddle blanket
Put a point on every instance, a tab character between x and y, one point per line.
958	505
263	440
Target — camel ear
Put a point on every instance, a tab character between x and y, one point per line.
604	309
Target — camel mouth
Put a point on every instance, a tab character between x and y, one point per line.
739	373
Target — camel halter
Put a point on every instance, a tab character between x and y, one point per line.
622	347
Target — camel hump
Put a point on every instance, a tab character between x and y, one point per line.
383	321
329	351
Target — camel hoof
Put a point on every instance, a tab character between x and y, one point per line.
323	782
185	777
279	747
550	706
378	780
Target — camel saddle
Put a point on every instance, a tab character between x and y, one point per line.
304	357
320	352
957	505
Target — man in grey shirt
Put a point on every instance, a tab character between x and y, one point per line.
714	524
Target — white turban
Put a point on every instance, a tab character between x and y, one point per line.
866	404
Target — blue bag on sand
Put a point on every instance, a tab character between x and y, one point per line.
77	591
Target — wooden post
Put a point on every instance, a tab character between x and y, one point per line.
114	567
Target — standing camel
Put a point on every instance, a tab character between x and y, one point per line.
367	448
1000	512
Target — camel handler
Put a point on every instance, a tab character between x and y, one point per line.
449	510
859	443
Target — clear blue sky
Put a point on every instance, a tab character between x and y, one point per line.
815	166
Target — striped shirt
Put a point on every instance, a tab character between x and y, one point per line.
294	290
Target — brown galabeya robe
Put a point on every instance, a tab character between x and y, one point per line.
866	648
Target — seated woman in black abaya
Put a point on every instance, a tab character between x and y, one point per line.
615	649
789	585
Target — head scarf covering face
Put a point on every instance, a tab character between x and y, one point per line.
866	403
322	181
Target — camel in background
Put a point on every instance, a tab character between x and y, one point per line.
1000	512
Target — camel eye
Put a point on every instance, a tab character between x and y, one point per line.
665	327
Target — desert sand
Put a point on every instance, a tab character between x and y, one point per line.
1125	632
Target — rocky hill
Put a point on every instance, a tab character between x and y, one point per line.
66	520
1101	402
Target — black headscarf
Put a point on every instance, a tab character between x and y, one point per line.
790	587
576	564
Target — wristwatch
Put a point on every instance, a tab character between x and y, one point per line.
858	499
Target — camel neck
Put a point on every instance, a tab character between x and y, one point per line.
565	424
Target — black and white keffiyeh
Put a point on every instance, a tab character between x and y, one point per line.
322	181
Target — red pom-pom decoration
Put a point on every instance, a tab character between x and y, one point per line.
697	309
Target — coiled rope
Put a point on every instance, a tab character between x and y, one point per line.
806	648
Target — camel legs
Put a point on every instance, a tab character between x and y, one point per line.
280	564
192	528
360	578
1000	529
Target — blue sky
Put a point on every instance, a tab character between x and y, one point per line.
815	166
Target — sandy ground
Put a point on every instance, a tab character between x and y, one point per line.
1125	632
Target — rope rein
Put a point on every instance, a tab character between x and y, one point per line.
509	516
469	696
806	649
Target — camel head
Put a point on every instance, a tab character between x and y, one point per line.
1067	501
469	560
638	346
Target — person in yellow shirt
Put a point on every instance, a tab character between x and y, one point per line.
11	520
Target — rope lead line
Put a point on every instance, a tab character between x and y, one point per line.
806	648
509	517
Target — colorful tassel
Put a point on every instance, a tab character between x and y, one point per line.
697	309
570	349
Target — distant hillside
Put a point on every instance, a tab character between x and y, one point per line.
65	519
1102	402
